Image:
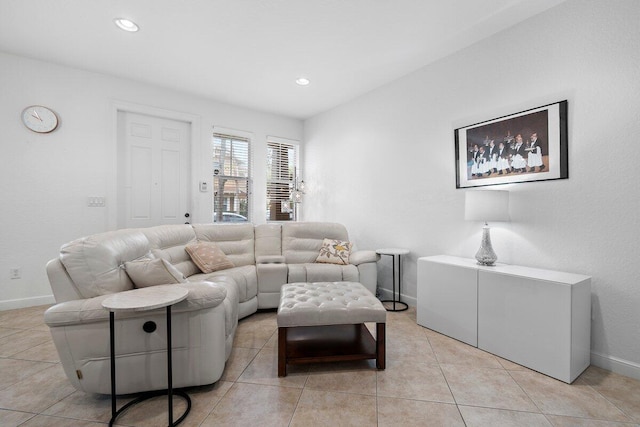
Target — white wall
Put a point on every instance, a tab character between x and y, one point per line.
383	164
45	179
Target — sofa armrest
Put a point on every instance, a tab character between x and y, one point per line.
270	259
201	295
77	312
360	257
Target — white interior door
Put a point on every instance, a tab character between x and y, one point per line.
153	171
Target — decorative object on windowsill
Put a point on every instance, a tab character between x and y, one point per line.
297	192
486	206
298	187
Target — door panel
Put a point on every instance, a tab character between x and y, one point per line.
171	185
141	185
153	170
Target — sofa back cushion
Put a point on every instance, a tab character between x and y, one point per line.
237	241
169	242
268	240
301	241
95	263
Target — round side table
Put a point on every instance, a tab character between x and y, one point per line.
395	304
145	299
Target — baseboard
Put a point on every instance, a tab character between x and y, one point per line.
26	302
614	364
387	294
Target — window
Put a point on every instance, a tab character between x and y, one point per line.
231	178
282	168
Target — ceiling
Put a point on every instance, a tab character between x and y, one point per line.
249	52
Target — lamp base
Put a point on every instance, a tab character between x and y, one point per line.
485	255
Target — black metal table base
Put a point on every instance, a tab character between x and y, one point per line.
390	305
394	302
169	392
150	395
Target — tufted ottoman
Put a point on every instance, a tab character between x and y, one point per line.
324	322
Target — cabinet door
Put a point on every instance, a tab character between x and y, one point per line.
447	300
527	321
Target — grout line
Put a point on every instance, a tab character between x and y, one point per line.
606	398
296	407
396	317
451	391
215	405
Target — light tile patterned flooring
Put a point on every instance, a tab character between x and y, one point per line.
430	380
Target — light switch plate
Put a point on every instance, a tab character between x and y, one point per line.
96	202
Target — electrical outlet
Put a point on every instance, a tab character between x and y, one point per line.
14	273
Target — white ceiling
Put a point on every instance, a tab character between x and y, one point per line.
249	52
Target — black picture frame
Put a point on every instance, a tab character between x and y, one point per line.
527	146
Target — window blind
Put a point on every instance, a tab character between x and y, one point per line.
282	161
231	178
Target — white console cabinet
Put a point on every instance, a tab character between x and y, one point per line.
536	318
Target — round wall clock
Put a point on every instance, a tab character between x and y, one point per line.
39	119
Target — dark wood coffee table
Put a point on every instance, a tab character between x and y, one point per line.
329	343
308	331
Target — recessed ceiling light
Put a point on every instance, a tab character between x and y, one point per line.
302	81
126	24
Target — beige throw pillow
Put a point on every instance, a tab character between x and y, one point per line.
152	272
208	257
334	252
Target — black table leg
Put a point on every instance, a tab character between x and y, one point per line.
112	344
169	367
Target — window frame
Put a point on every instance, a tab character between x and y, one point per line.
239	136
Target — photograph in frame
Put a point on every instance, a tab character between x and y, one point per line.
522	147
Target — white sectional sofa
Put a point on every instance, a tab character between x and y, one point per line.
264	256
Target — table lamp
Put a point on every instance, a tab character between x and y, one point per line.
486	205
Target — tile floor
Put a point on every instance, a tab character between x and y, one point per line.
430	380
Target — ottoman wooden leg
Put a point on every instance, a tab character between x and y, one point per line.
282	352
380	345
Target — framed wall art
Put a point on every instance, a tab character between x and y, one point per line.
521	147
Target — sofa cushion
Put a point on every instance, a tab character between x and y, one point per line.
208	257
153	272
236	240
312	272
334	252
244	277
94	262
168	242
301	241
268	240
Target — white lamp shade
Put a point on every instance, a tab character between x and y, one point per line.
486	205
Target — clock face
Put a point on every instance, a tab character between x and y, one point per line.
39	119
